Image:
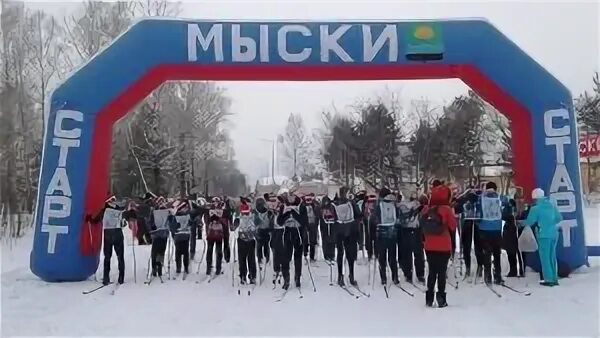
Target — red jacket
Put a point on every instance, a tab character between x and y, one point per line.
440	197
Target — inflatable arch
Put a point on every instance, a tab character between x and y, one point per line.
83	109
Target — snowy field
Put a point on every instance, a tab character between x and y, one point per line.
31	307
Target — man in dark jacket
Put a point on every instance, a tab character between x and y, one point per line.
312	216
346	232
385	217
292	216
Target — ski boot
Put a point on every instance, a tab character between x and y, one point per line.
252	280
208	271
396	281
286	283
105	281
441	299
467	272
121	279
352	280
498	280
421	280
429	298
297	280
408	279
242	281
341	280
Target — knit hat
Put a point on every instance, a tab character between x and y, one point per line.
537	193
491	185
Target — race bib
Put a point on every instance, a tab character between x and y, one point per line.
160	218
111	219
491	208
345	213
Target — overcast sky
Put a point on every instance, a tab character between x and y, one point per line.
563	36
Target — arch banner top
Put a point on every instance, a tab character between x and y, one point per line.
77	139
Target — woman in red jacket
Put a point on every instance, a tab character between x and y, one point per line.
438	223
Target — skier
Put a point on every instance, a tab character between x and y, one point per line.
111	217
144	213
277	245
160	235
490	229
217	231
181	232
346	234
292	216
510	235
384	217
547	216
412	243
246	243
360	200
370	227
469	207
263	218
327	221
312	212
197	213
437	223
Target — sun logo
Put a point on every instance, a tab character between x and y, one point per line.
424	33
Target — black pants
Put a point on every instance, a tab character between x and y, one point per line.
193	234
182	254
492	246
310	246
143	236
346	242
292	243
412	252
468	238
438	263
263	242
157	255
113	239
328	241
209	255
278	248
513	257
247	258
386	247
370	239
226	247
361	236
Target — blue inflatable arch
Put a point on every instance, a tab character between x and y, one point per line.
77	139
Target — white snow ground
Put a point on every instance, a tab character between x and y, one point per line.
31	307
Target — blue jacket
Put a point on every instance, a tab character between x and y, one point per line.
547	217
496	223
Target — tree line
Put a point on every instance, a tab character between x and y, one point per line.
174	142
378	142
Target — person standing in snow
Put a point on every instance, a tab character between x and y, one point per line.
384	217
217	230
312	215
370	228
547	217
111	217
412	242
346	233
292	216
160	235
263	218
510	236
437	223
181	232
246	242
277	241
468	205
327	222
490	230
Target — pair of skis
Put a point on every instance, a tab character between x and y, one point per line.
499	295
112	292
285	292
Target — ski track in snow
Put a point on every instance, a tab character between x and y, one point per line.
185	308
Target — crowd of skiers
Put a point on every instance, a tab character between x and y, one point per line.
393	230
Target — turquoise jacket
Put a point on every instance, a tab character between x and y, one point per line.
547	216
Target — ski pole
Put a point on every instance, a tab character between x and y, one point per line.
134	262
